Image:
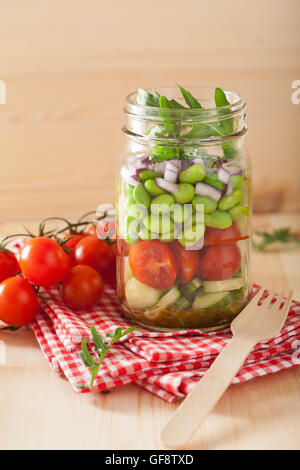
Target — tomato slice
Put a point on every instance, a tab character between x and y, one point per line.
219	262
187	262
216	236
153	263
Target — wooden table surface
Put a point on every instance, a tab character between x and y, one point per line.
39	410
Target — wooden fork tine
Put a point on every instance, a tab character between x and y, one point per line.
278	301
286	305
267	301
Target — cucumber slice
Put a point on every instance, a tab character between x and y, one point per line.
139	295
189	290
221	286
181	304
127	270
165	301
168	299
210	300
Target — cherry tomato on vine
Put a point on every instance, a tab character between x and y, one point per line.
97	254
187	262
72	240
153	263
9	265
44	262
218	262
81	288
18	302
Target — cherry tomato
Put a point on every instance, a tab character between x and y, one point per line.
73	240
215	236
9	265
153	263
18	302
219	262
44	262
82	287
187	262
96	253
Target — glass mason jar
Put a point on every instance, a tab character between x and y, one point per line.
184	210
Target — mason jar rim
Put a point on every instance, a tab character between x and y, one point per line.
235	106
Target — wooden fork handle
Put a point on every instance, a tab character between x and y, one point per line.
206	393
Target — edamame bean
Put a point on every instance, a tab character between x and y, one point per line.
148	174
192	174
129	192
153	189
145	235
239	210
180	213
237	181
185	193
132	230
141	196
212	178
158	223
162	204
227	202
138	211
191	234
218	219
200	201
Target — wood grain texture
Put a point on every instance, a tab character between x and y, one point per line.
39	409
68	66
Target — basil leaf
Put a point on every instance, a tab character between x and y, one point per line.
190	100
147	99
221	100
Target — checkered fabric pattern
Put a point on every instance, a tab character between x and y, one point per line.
166	364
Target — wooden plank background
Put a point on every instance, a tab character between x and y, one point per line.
68	65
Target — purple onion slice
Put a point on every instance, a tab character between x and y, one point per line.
130	178
172	172
223	175
166	185
229	188
204	189
235	171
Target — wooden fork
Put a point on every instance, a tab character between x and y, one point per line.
254	324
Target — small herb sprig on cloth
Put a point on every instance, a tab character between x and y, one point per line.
101	349
282	235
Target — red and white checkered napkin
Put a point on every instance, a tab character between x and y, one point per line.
166	364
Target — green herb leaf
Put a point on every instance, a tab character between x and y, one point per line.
220	101
282	235
98	340
147	99
85	355
220	98
160	152
190	100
